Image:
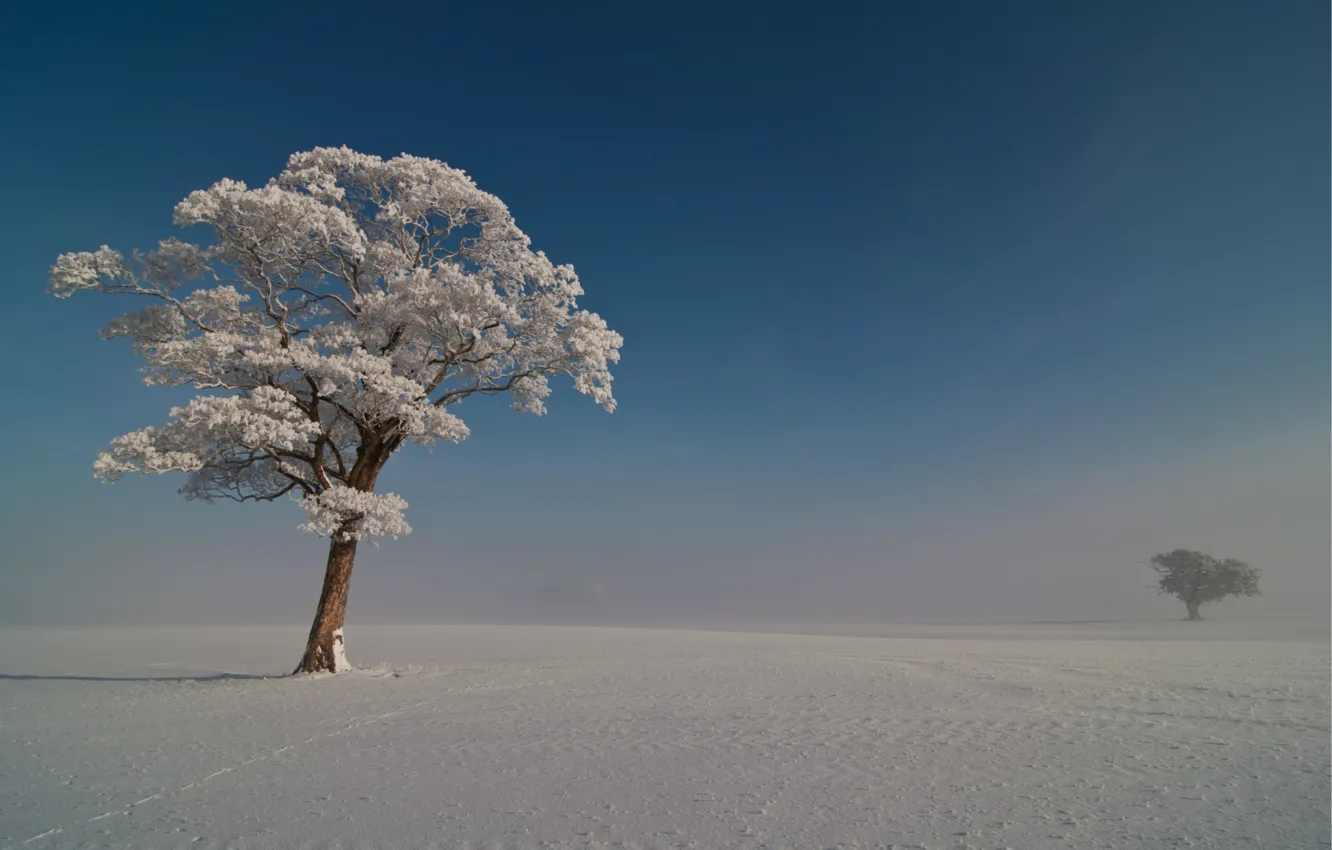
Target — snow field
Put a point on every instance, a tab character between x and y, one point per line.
527	737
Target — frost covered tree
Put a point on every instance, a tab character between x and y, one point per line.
1197	578
341	310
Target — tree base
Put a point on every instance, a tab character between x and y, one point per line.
326	656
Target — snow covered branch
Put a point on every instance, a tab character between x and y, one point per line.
349	514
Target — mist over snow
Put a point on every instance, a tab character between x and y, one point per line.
1046	545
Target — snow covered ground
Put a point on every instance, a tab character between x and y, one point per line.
515	737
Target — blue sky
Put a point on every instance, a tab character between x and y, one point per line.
931	310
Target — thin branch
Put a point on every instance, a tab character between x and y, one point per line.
327	296
456	395
258	497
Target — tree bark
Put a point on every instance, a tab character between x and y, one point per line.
325	650
1193	610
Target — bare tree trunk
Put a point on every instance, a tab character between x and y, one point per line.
325	651
1193	609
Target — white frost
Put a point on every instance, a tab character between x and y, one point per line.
350	514
340	663
342	309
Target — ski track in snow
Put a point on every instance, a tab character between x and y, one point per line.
547	737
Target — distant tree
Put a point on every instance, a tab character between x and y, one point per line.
337	312
1197	578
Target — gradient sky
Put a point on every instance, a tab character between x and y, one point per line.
932	310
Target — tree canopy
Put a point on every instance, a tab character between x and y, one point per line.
1197	578
345	307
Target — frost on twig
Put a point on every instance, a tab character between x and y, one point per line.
352	514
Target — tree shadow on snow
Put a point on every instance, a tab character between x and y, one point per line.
211	677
